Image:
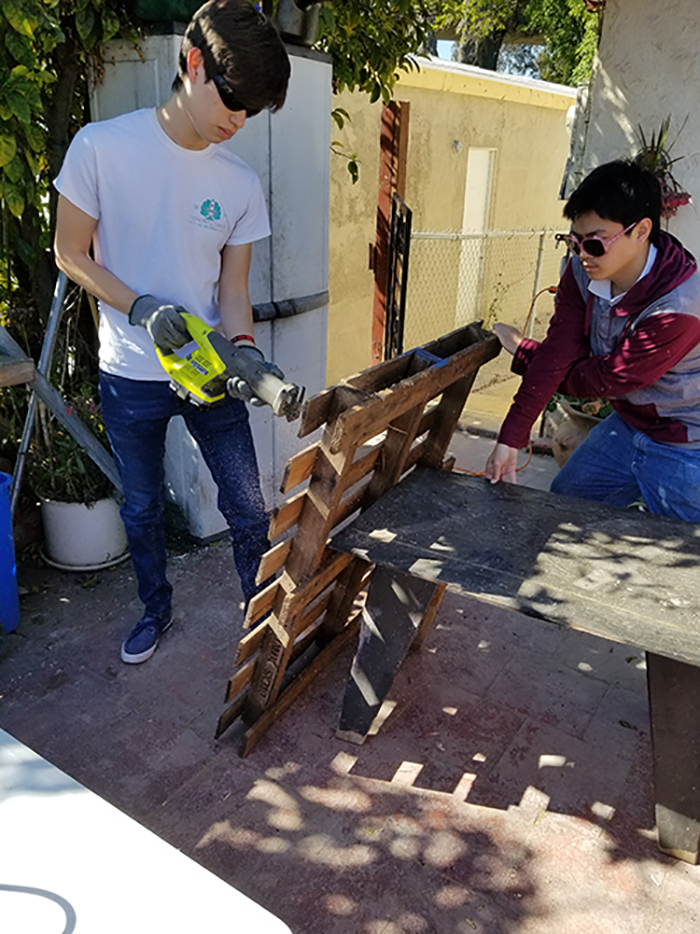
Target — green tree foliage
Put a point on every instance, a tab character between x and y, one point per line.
370	40
566	28
47	50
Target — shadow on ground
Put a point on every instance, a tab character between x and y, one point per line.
508	788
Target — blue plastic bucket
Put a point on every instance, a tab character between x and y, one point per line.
9	598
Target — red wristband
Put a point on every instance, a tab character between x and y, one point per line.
243	337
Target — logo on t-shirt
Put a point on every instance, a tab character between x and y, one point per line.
210	209
209	215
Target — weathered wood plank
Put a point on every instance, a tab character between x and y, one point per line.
317	518
273	560
343	596
674	701
260	604
362	466
401	434
617	573
361	422
328	404
395	601
286	516
240	680
14	372
250	643
429	616
299	468
445	417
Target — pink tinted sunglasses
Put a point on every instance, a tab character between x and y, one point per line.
593	246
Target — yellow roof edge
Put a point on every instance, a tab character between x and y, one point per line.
436	75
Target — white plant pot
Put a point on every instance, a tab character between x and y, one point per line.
83	538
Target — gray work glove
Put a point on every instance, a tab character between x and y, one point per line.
164	323
238	388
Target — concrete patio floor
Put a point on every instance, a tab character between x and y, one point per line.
508	790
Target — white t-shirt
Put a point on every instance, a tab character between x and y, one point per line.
164	215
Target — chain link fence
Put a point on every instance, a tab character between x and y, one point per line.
456	278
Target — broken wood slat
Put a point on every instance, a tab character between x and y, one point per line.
299	468
355	426
314	611
298	685
240	680
252	641
14	371
309	623
285	517
273	560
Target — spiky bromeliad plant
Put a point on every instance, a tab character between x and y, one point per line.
655	154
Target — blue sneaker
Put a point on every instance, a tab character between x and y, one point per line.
142	641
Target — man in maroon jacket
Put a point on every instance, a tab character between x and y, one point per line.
626	327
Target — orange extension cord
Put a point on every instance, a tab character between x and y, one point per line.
482	473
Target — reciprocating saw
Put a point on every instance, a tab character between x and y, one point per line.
200	375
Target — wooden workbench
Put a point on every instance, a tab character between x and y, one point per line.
616	573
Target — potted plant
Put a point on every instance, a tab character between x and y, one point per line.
82	526
567	421
655	154
80	516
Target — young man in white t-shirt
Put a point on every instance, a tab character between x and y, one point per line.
154	218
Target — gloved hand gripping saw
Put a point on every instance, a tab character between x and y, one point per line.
216	366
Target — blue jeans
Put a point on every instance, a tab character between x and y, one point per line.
136	415
617	464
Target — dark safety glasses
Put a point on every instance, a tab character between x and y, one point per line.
228	98
592	246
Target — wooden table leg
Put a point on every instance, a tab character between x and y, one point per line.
674	700
396	605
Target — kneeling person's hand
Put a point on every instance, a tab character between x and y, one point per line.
164	323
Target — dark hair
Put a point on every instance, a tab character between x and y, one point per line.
243	45
619	191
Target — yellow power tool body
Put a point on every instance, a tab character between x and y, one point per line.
200	375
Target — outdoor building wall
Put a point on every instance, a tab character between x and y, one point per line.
454	108
648	68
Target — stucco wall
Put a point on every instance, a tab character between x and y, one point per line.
648	68
453	108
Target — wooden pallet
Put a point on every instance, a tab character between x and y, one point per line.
377	425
